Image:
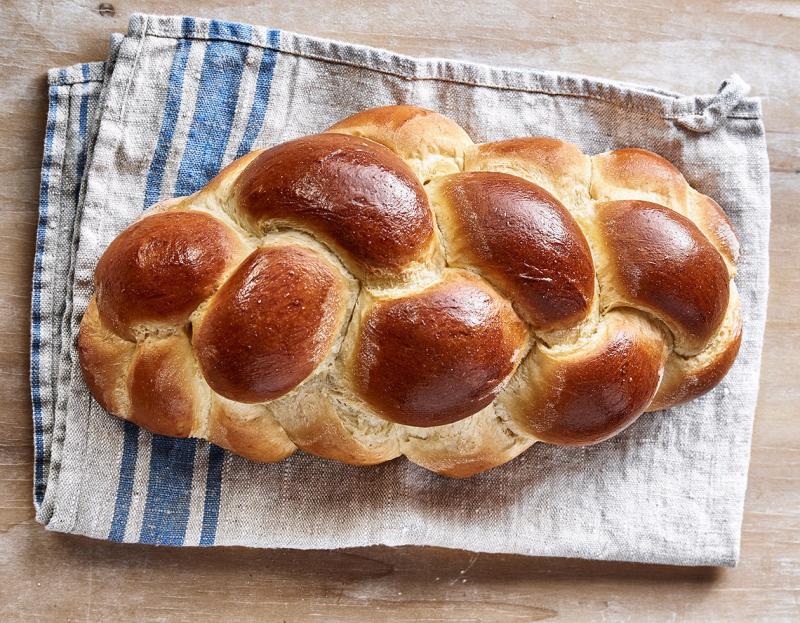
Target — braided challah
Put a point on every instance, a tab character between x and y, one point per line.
388	287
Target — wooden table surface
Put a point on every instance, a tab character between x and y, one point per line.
689	47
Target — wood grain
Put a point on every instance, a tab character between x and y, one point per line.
683	46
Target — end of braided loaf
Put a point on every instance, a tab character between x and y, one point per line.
390	288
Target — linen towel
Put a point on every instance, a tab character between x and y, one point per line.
177	99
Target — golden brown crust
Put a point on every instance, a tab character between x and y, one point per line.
354	194
431	143
640	174
104	358
559	167
661	262
437	356
231	314
519	237
550	156
634	173
161	268
687	378
714	223
593	391
333	425
466	447
247	430
271	324
167	396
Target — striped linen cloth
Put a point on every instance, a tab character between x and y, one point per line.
177	99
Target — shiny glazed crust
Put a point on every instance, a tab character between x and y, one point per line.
390	288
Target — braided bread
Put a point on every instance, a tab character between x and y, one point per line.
389	287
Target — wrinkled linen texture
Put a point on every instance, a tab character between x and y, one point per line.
179	98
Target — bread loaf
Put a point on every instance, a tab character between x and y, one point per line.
390	288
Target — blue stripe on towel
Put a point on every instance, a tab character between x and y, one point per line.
261	95
172	107
127	469
230	31
216	458
169	491
83	118
214	111
36	299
